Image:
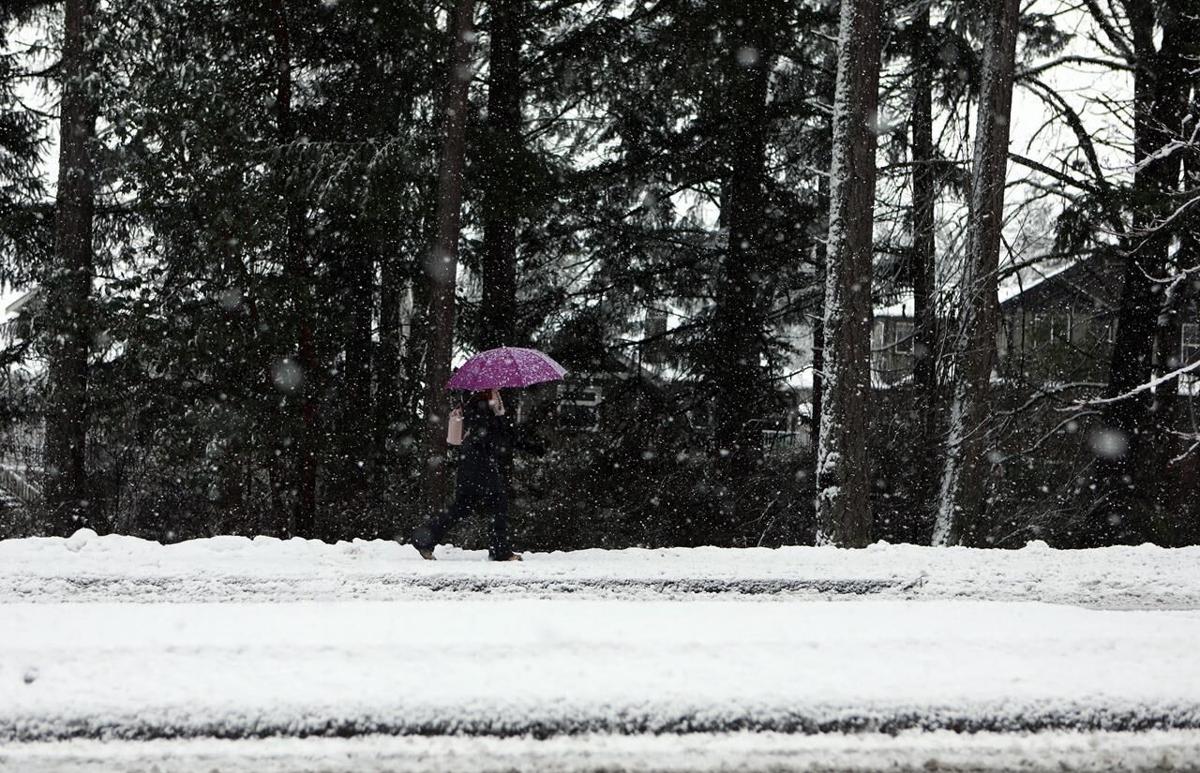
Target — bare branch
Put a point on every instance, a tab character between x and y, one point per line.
1050	65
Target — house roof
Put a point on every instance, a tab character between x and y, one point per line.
23	301
1088	283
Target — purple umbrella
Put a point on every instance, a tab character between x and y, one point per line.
505	368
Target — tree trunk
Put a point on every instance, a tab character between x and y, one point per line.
388	363
821	260
1134	425
502	185
737	373
923	265
960	515
843	479
441	266
68	290
296	275
358	309
1177	487
826	92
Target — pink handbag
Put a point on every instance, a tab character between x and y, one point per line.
454	428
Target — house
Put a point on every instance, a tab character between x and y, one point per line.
1060	326
892	343
21	442
636	388
19	316
604	387
1057	325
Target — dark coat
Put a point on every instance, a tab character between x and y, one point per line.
488	445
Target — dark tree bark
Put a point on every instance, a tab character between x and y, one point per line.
297	276
358	306
960	516
923	265
392	287
737	373
827	94
68	289
441	266
843	479
820	259
1178	488
502	183
1136	424
818	370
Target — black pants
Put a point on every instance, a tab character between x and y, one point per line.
471	496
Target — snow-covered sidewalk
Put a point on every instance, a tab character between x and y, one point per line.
505	667
90	568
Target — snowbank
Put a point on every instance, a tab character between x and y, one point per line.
504	667
87	567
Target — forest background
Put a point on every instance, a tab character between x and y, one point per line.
233	220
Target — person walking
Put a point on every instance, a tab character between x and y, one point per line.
489	440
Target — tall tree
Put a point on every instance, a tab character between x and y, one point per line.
960	516
826	89
739	321
922	267
355	307
219	295
843	477
296	270
502	184
69	286
441	268
1135	420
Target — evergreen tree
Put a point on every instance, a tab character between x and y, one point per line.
442	260
68	287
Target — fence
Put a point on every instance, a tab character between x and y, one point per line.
16	485
20	462
778	441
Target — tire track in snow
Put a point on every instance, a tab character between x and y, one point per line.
384	587
141	727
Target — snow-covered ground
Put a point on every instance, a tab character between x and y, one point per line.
112	568
360	656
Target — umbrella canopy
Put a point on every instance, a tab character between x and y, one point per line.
505	368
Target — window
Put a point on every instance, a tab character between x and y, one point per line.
1189	343
1039	331
1103	330
1043	329
579	406
904	338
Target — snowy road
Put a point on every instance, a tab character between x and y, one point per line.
907	752
553	667
359	656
